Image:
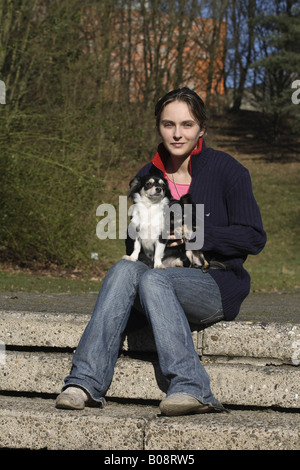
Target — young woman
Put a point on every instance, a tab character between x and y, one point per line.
174	297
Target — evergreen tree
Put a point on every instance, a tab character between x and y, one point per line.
278	35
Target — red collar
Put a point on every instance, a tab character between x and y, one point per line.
162	154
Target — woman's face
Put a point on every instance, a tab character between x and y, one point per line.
179	129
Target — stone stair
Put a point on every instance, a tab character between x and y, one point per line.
253	366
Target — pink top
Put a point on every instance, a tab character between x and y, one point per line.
181	188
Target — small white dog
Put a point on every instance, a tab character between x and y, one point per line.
151	195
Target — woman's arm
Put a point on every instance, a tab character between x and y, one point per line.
244	234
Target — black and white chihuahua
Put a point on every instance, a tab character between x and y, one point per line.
184	228
151	195
153	221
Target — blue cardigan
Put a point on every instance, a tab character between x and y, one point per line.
234	226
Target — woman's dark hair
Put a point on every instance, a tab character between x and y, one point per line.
188	96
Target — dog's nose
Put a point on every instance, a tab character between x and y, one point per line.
158	189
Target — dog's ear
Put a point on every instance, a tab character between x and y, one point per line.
186	199
134	186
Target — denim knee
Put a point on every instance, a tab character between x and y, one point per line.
127	270
153	278
152	281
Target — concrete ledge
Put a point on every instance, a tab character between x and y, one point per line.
232	384
240	430
270	341
39	329
253	340
249	364
36	424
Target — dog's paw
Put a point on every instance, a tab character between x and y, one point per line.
178	264
159	266
128	258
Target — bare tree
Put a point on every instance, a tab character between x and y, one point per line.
241	30
16	19
218	9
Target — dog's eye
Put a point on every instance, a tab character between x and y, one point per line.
148	185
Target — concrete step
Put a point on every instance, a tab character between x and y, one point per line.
250	364
34	423
268	342
232	384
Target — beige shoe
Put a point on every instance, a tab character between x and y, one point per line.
179	404
72	398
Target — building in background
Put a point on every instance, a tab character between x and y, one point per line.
144	54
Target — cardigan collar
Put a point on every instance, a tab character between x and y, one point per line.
197	160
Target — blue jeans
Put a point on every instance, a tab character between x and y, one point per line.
170	298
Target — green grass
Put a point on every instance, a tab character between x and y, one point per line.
276	188
19	282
